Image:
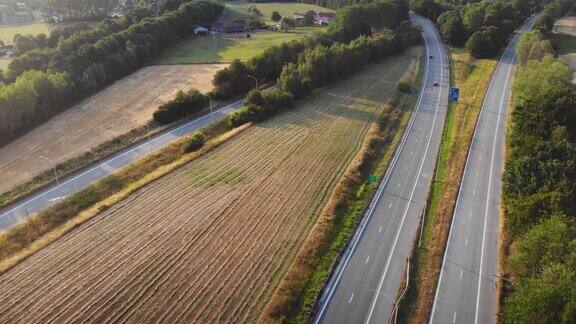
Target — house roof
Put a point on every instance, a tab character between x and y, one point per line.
326	15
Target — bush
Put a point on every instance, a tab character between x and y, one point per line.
184	104
194	143
232	80
259	106
403	86
480	45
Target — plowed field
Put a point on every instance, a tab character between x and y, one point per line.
126	104
208	242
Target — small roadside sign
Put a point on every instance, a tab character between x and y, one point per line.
372	178
454	94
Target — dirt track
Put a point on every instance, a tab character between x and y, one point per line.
207	242
126	104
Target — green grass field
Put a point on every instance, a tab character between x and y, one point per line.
239	9
202	49
7	33
565	43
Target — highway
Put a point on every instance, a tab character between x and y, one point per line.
364	285
466	291
11	215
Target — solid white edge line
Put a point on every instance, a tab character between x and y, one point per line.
145	143
460	191
432	129
368	215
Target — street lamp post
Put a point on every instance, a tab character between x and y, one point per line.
149	140
211	113
255	80
53	168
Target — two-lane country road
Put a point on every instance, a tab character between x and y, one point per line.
364	285
466	291
13	214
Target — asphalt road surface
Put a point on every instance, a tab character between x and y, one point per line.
14	213
364	285
466	291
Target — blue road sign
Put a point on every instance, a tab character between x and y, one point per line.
454	94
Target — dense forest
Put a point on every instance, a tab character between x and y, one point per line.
45	80
539	184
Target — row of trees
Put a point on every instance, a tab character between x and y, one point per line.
184	104
90	66
350	23
78	34
483	26
539	188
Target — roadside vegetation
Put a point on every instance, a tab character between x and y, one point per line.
473	77
539	192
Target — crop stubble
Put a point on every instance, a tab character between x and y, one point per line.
127	104
202	243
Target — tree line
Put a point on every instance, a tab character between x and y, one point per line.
484	26
539	186
81	9
86	62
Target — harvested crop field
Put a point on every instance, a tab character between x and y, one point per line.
566	25
126	104
208	242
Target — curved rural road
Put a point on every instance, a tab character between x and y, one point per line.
466	291
363	288
14	213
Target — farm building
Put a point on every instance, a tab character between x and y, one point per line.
200	30
230	26
324	18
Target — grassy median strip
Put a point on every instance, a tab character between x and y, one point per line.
473	78
296	295
47	226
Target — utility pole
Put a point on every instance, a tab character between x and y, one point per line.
53	168
211	113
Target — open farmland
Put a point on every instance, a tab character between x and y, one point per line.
7	33
227	47
566	25
208	242
239	9
126	104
